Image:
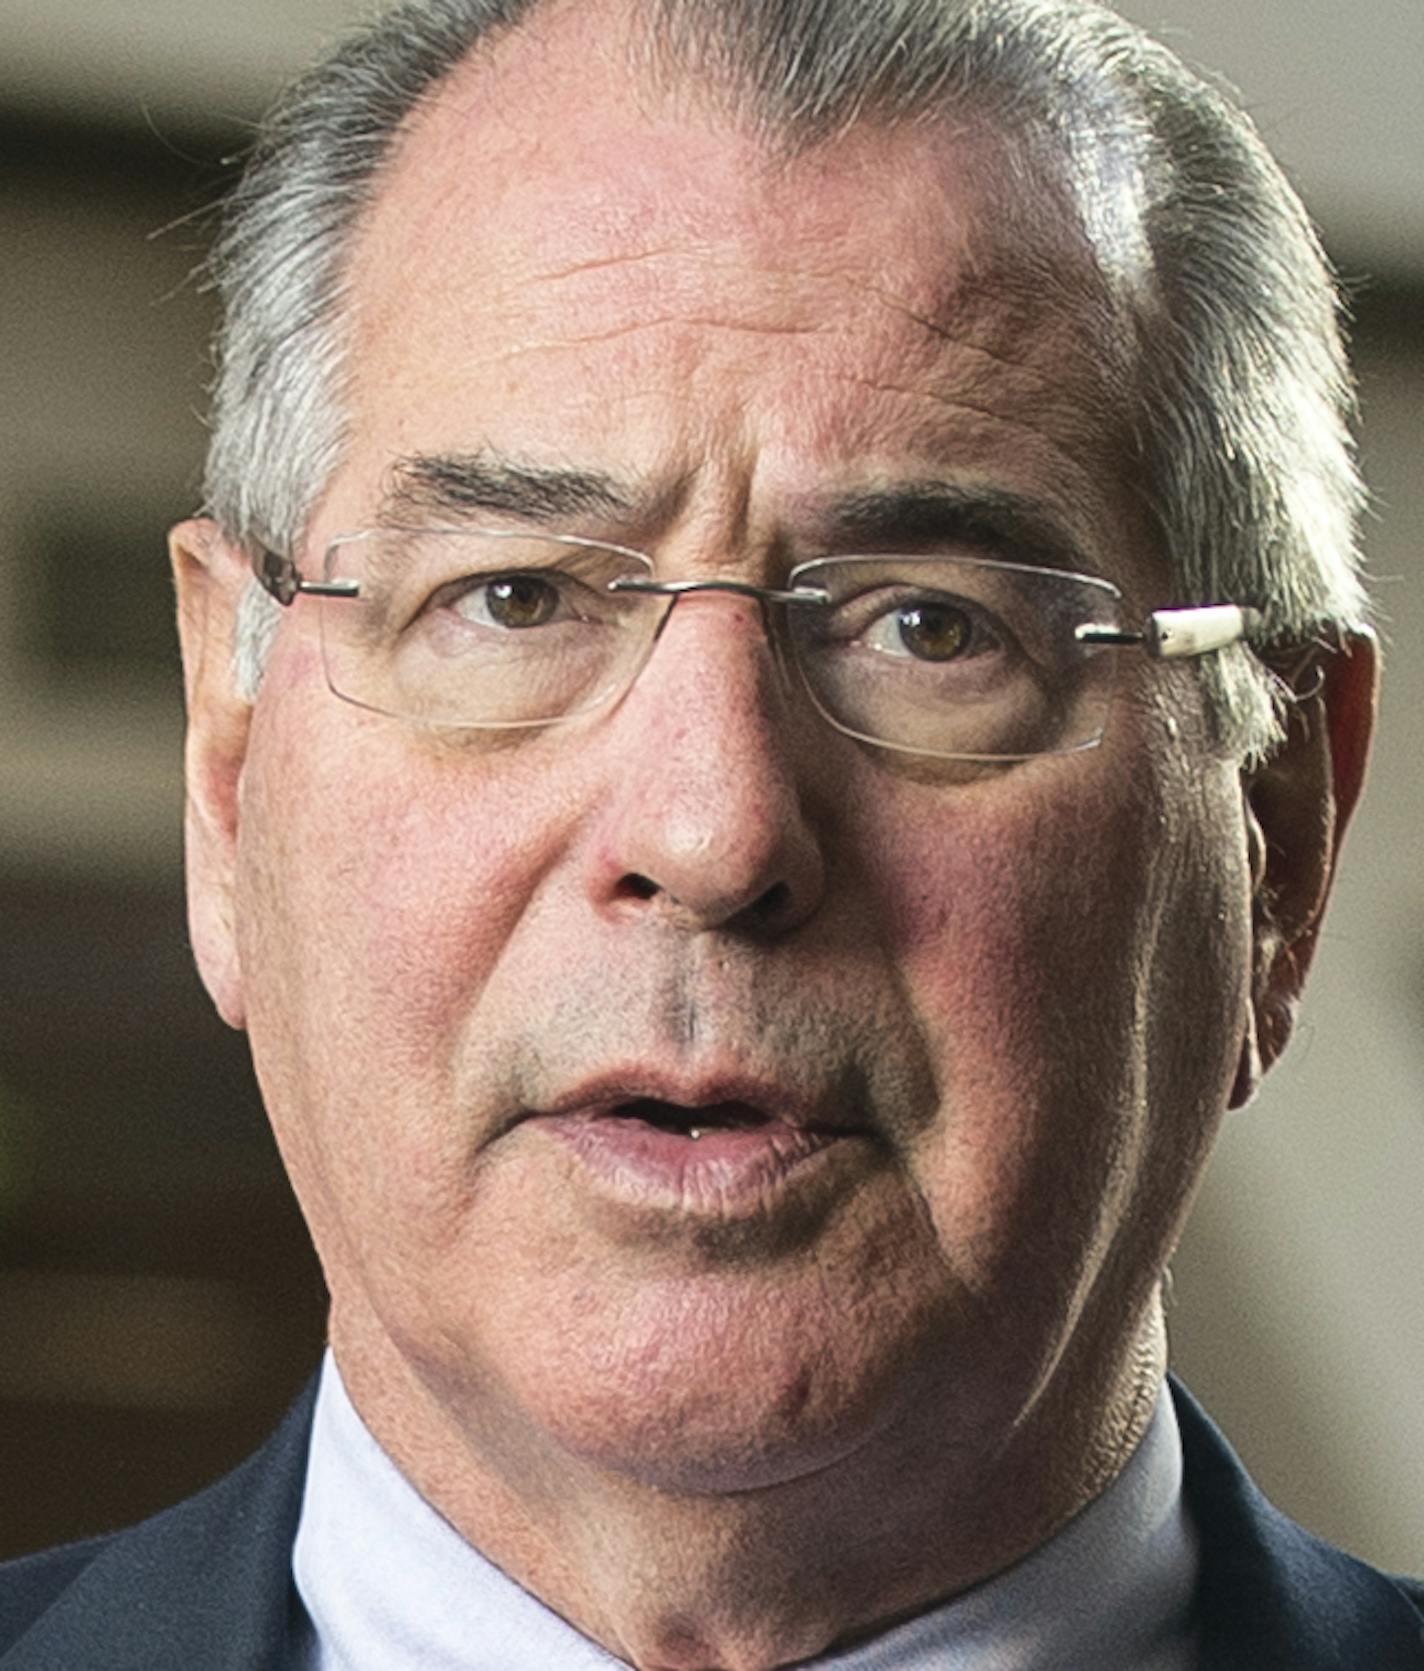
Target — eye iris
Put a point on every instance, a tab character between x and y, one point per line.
521	601
934	632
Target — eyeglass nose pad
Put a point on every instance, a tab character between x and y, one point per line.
776	633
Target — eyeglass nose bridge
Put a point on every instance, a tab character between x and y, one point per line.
814	596
739	588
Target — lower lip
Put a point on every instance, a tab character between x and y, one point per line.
726	1172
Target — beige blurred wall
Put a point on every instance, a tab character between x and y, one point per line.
1297	1312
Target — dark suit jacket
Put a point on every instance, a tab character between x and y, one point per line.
206	1586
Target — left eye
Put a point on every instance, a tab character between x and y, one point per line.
927	629
521	600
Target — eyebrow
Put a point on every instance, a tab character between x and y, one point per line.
455	484
995	522
992	521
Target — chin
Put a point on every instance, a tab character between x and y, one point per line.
715	1388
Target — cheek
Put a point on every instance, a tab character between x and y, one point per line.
1014	912
395	871
376	894
1036	922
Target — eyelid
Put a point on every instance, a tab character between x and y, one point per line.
981	639
887	597
565	585
477	580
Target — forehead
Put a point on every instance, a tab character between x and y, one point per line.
577	262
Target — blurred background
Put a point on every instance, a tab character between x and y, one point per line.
158	1302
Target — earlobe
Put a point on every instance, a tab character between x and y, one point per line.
210	575
1297	806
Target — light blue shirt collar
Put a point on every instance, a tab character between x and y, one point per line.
390	1586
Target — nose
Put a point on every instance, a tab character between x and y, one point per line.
708	822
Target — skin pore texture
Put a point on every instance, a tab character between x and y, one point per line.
729	1428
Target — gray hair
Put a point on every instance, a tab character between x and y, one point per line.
1216	294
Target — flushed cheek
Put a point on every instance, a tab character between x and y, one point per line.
1019	927
432	858
375	902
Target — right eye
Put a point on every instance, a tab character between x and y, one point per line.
512	602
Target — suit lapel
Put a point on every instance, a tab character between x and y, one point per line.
205	1586
1272	1597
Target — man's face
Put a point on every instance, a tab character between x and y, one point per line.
979	1022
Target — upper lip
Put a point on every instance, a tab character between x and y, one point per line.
772	1099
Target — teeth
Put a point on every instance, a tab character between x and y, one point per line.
676	1119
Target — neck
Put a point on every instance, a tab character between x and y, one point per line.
751	1580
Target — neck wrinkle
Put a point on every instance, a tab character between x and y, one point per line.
736	1560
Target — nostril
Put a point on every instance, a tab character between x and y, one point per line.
774	902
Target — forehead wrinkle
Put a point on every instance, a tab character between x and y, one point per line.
953	403
596	263
499	97
964	271
952	295
695	267
797	293
970	396
593	339
959	272
965	307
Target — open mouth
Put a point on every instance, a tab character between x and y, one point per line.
679	1120
723	1158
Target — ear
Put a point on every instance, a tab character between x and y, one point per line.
1297	806
210	575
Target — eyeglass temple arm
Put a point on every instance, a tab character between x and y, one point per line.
1174	634
280	576
1170	634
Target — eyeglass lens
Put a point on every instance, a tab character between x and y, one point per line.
952	656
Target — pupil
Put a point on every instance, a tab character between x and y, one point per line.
521	601
934	632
